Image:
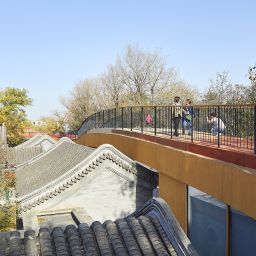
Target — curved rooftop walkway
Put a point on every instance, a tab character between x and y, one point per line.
206	145
225	132
153	230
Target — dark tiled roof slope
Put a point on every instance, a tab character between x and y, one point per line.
151	231
16	156
49	167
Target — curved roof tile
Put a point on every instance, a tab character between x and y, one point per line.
151	231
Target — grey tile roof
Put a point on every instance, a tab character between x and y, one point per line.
54	176
151	231
50	167
17	156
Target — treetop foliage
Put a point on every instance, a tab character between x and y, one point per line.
14	97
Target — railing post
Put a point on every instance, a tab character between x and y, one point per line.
198	122
115	118
122	118
142	115
254	125
218	126
171	122
131	119
192	126
103	122
155	120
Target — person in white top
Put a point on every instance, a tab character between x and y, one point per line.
176	114
217	124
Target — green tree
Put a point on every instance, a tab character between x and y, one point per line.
7	210
52	124
12	113
8	217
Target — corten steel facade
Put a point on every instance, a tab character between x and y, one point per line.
178	169
222	164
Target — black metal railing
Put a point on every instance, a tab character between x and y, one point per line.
229	125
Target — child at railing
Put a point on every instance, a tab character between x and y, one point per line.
218	124
148	120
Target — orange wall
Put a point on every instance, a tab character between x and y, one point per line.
234	185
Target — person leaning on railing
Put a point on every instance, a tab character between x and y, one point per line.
218	124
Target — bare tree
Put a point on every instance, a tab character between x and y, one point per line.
219	90
252	74
112	86
223	91
136	78
252	88
160	81
85	99
144	74
177	88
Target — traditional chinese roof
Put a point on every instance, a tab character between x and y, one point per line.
49	166
66	164
151	231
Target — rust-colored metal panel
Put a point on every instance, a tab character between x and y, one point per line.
175	194
236	155
203	173
230	183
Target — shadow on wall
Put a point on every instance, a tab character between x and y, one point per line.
147	181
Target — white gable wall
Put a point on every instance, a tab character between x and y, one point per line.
102	194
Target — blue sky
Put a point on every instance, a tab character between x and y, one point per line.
47	46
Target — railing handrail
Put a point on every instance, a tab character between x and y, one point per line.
148	106
237	122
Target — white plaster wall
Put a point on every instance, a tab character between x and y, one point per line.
102	194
